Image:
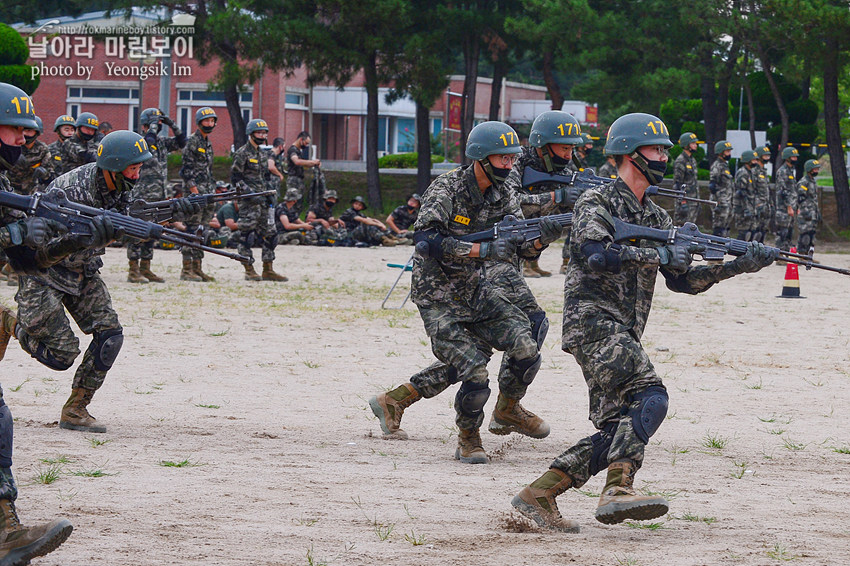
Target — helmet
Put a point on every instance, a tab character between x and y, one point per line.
222	185
632	131
63	120
811	164
586	139
491	138
39	125
764	150
149	116
790	152
748	156
331	194
255	126
687	139
292	194
722	146
416	196
555	126
204	113
87	119
362	201
16	107
120	149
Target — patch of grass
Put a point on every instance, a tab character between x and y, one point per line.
841	449
95	442
715	441
668	495
313	561
414	539
49	475
776	431
67	496
770	419
383	530
626	560
221	333
697	519
16	388
93	473
586	492
779	552
817	383
740	471
181	464
793	445
302	522
205	406
648	526
754	385
62	459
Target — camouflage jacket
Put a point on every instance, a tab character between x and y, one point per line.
403	218
7	215
153	177
745	192
722	176
453	205
599	304
786	188
319	210
76	152
21	175
762	185
807	199
534	200
250	166
55	150
607	170
197	164
685	173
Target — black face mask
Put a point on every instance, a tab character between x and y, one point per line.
330	204
655	170
122	183
30	139
499	175
813	173
411	209
559	162
206	129
258	141
84	136
10	153
587	150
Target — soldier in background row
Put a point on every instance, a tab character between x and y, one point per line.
721	185
80	148
64	129
685	178
786	198
761	181
808	207
744	198
297	158
34	169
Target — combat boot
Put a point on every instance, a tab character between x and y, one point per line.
11	276
469	449
19	544
618	501
536	267
145	270
390	406
134	275
528	272
188	272
509	416
251	274
197	266
75	415
537	501
8	322
3	269
564	265
387	241
269	273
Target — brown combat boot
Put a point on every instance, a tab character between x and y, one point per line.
197	266
188	272
8	322
11	276
509	416
3	265
251	274
133	274
390	406
528	272
269	273
618	501
537	501
564	265
75	415
19	544
145	270
469	449
536	267
387	241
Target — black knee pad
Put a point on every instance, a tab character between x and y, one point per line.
601	444
471	398
539	327
42	354
525	370
650	412
105	347
6	434
806	239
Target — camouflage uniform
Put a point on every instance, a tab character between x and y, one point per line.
721	216
197	172
607	169
360	232
460	306
762	201
403	218
744	201
685	173
786	196
73	284
604	318
323	235
76	152
294	173
21	175
55	153
808	214
249	165
296	236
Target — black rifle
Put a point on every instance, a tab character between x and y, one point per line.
161	210
76	217
584	180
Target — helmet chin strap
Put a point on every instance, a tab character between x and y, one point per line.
109	176
642	164
547	160
488	170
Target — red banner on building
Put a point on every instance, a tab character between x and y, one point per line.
454	111
591	114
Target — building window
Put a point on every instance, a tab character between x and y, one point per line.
74	110
406	128
183	121
212	98
436	126
134	119
103	94
246	114
295	99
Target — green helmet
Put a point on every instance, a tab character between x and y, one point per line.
255	126
555	126
811	164
722	146
88	120
491	138
63	120
361	200
292	194
764	150
632	131
790	152
687	139
149	116
586	139
748	156
330	193
204	113
39	125
16	107
120	149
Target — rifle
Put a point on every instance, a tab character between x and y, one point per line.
161	211
584	180
54	205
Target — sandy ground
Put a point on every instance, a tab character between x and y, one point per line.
262	389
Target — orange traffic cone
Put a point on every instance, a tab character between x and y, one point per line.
791	288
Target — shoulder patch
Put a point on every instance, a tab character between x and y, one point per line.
253	161
728	172
57	158
688	166
153	146
202	150
462	220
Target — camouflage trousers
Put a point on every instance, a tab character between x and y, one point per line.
784	223
192	223
45	332
140	250
371	235
615	368
297	183
8	487
464	344
298	237
721	216
747	223
687	211
256	228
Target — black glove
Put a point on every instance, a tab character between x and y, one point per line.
103	232
38	231
550	230
501	249
758	256
185	207
167	121
567	196
675	258
712	187
40	174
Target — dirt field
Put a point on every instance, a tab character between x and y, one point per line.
260	391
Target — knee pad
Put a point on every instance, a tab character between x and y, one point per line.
105	347
601	442
525	370
806	240
6	434
42	354
649	412
471	398
539	327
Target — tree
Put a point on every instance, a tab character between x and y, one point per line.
13	61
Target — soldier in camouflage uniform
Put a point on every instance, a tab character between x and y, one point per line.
250	165
721	185
581	153
607	297
290	229
465	313
277	177
554	135
198	179
34	169
762	183
808	210
685	177
609	168
786	198
744	198
363	230
296	161
404	216
64	128
151	186
80	148
328	229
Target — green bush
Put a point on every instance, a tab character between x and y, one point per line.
404	160
21	77
13	48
